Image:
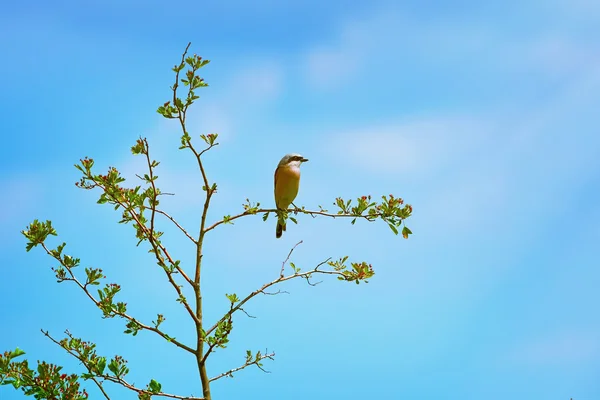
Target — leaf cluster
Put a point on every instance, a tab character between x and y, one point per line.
47	381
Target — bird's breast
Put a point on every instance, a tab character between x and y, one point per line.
290	172
287	181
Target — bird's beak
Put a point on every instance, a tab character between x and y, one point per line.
304	159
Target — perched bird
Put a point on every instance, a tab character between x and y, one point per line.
287	181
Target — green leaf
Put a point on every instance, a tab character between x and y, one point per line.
232	298
16	353
393	228
112	367
154	386
101	365
406	232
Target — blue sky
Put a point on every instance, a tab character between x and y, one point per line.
483	116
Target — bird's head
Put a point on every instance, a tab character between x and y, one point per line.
292	160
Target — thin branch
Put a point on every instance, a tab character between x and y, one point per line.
368	217
212	346
309	282
177	224
122	315
245	312
176	85
288	258
99	384
181	116
198	158
276	293
154	191
156	246
239	305
118	380
151	237
246	364
207	149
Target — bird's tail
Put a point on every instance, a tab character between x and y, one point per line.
279	230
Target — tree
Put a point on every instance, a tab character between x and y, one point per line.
139	206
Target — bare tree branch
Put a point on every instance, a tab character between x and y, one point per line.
280	279
288	258
176	224
245	312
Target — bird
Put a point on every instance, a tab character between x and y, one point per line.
287	182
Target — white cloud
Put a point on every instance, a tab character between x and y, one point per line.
247	90
472	173
586	11
561	55
454	161
414	148
330	66
389	37
256	83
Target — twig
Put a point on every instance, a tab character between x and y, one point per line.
368	217
177	224
99	384
307	277
216	343
280	279
154	191
176	85
122	315
115	379
155	246
245	312
287	258
246	364
275	293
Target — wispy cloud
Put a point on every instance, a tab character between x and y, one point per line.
414	148
246	91
560	55
330	67
256	83
388	36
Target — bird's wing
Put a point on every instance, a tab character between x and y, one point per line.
275	184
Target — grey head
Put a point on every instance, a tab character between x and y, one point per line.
292	159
